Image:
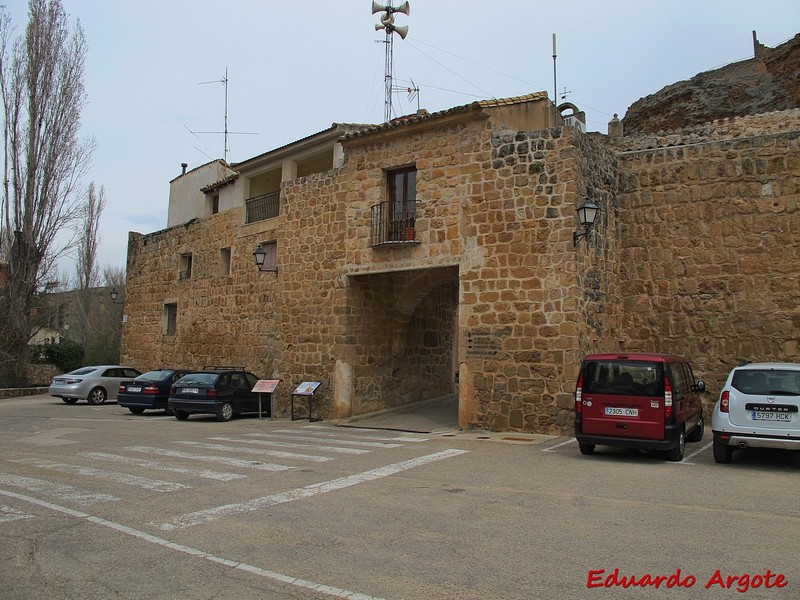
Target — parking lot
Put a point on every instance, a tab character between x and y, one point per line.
97	502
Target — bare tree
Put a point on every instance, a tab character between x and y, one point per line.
86	261
41	82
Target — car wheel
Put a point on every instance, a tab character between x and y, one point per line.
180	415
722	452
137	410
697	432
96	396
586	448
676	454
69	400
225	412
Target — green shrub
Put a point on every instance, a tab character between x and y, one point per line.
66	355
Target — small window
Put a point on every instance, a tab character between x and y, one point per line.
186	266
170	318
270	256
215	204
225	262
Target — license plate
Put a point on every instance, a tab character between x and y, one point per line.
133	388
613	411
771	416
190	391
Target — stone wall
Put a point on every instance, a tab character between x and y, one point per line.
695	252
709	243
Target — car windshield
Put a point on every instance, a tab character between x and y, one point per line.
82	371
154	376
626	378
774	382
198	378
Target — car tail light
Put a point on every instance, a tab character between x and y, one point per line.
150	389
212	392
172	390
724	402
578	394
667	398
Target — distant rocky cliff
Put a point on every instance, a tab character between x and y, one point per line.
767	82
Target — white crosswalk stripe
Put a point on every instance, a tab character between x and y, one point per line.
334	449
258	451
151	464
8	513
55	490
233	462
311	438
154	485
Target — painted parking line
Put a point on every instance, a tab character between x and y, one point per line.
55	490
194	552
335	449
224	460
552	448
686	459
156	466
352	432
212	514
8	514
309	438
258	451
155	485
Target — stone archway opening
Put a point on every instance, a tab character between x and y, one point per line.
405	334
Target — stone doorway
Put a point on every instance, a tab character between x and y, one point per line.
405	338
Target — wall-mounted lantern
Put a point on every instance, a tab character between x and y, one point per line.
114	295
260	256
587	213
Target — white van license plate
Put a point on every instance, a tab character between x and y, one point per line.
772	416
613	411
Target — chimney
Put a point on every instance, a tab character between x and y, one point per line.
183	166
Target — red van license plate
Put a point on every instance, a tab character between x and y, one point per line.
772	416
613	411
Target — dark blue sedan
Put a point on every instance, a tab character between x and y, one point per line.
149	391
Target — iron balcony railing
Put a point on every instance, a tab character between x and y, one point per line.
392	223
266	206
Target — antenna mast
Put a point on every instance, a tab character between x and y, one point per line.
555	87
226	149
387	24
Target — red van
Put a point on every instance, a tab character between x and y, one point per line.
643	401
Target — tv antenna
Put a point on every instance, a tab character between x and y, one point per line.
387	24
226	133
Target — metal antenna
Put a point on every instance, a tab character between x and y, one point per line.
387	24
555	87
227	149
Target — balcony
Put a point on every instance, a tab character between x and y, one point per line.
266	206
393	224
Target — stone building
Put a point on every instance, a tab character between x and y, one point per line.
435	255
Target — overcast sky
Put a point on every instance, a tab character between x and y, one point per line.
296	67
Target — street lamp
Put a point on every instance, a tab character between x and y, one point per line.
114	295
587	213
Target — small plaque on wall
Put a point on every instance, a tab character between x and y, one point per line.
481	345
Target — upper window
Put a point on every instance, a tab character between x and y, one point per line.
270	256
170	318
403	194
186	266
225	261
395	219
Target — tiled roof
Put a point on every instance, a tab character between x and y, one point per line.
426	116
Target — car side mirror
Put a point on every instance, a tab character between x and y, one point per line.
700	386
